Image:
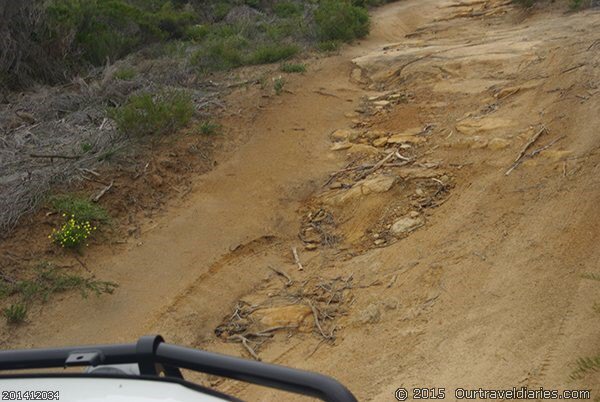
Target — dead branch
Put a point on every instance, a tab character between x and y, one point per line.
54	156
321	92
537	151
378	164
97	197
290	281
317	323
244	342
573	68
533	139
297	259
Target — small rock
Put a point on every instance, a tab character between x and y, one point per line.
498	143
414	214
351	115
506	92
292	315
373	134
357	76
376	235
311	246
340	146
410	139
380	142
379	184
420	192
379	242
370	315
363	148
381	103
406	225
343	134
478	126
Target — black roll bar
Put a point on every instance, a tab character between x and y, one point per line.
154	357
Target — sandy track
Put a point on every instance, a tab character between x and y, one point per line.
491	292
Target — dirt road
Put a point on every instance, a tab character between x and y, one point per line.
453	263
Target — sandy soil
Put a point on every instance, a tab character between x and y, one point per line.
492	281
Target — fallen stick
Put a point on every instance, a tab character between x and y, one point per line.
317	323
97	197
537	151
290	281
297	259
378	164
244	341
53	156
269	331
533	139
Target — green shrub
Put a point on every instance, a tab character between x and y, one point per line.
340	20
293	68
285	9
197	32
278	84
158	114
102	29
208	127
49	279
220	53
221	9
125	74
82	208
328	45
73	233
271	53
15	313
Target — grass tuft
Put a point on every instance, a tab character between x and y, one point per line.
208	127
157	114
278	84
48	279
591	276
15	313
584	366
293	68
125	74
82	208
272	53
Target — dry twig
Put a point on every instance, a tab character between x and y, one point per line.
519	158
297	259
290	281
97	197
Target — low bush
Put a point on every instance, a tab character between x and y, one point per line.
157	114
125	74
340	20
82	208
208	128
285	9
278	84
220	53
73	233
271	53
102	29
293	68
15	313
45	281
328	45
